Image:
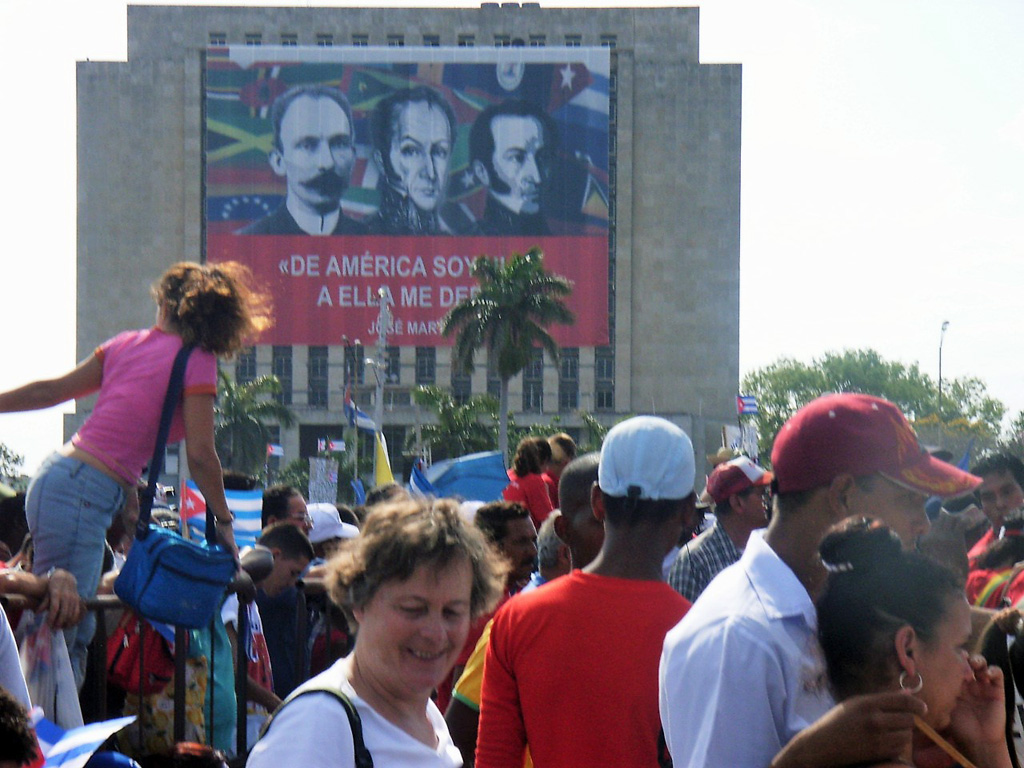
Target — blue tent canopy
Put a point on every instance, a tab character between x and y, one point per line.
475	477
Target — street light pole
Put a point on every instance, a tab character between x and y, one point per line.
942	338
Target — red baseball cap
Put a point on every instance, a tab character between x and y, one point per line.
736	476
859	435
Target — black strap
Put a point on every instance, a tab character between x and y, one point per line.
362	754
156	464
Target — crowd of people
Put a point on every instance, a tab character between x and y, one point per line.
608	611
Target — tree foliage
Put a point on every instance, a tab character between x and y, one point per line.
966	412
1013	440
244	412
11	464
461	428
508	317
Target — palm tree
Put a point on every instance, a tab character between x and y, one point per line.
508	317
458	430
242	412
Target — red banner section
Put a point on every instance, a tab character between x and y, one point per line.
325	288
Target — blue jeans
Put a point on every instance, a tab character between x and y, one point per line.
69	508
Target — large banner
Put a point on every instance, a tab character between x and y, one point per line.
336	172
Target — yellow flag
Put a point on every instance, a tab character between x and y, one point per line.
384	475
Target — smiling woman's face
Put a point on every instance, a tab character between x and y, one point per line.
411	632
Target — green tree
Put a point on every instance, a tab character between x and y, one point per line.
296	474
243	413
508	317
595	432
1012	440
967	412
11	464
461	428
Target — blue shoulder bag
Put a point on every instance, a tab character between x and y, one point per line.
166	577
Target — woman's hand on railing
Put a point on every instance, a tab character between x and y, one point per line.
66	607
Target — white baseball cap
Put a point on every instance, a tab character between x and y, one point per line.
648	453
327	523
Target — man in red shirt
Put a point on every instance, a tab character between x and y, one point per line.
572	668
1001	493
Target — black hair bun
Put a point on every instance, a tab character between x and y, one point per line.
859	544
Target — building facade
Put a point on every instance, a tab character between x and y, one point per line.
673	211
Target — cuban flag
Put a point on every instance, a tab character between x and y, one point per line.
419	486
72	749
746	405
356	417
247	507
273	449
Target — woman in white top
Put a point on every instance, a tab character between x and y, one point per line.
413	580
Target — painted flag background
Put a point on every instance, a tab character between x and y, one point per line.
330	283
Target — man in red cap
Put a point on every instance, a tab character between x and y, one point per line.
738	488
742	678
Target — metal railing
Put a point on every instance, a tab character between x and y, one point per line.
94	693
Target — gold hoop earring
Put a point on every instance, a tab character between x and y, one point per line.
916	688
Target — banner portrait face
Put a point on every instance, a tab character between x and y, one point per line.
336	173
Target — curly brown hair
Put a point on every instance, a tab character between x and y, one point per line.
216	306
400	536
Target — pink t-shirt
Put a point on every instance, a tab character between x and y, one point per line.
121	430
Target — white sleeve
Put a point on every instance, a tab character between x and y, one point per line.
312	731
229	611
11	677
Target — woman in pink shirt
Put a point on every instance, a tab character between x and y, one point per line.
76	492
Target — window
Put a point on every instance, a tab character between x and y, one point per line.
466	41
317	377
493	379
502	41
426	365
573	41
533	383
253	38
396	41
245	365
355	364
281	366
324	39
432	41
462	386
607	41
604	379
218	38
604	363
392	366
538	41
569	379
360	40
289	39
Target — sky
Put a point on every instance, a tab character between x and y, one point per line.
882	182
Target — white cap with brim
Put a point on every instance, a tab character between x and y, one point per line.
650	454
327	524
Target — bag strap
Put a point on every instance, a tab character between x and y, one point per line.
156	464
362	754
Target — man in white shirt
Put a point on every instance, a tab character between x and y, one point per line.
742	679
